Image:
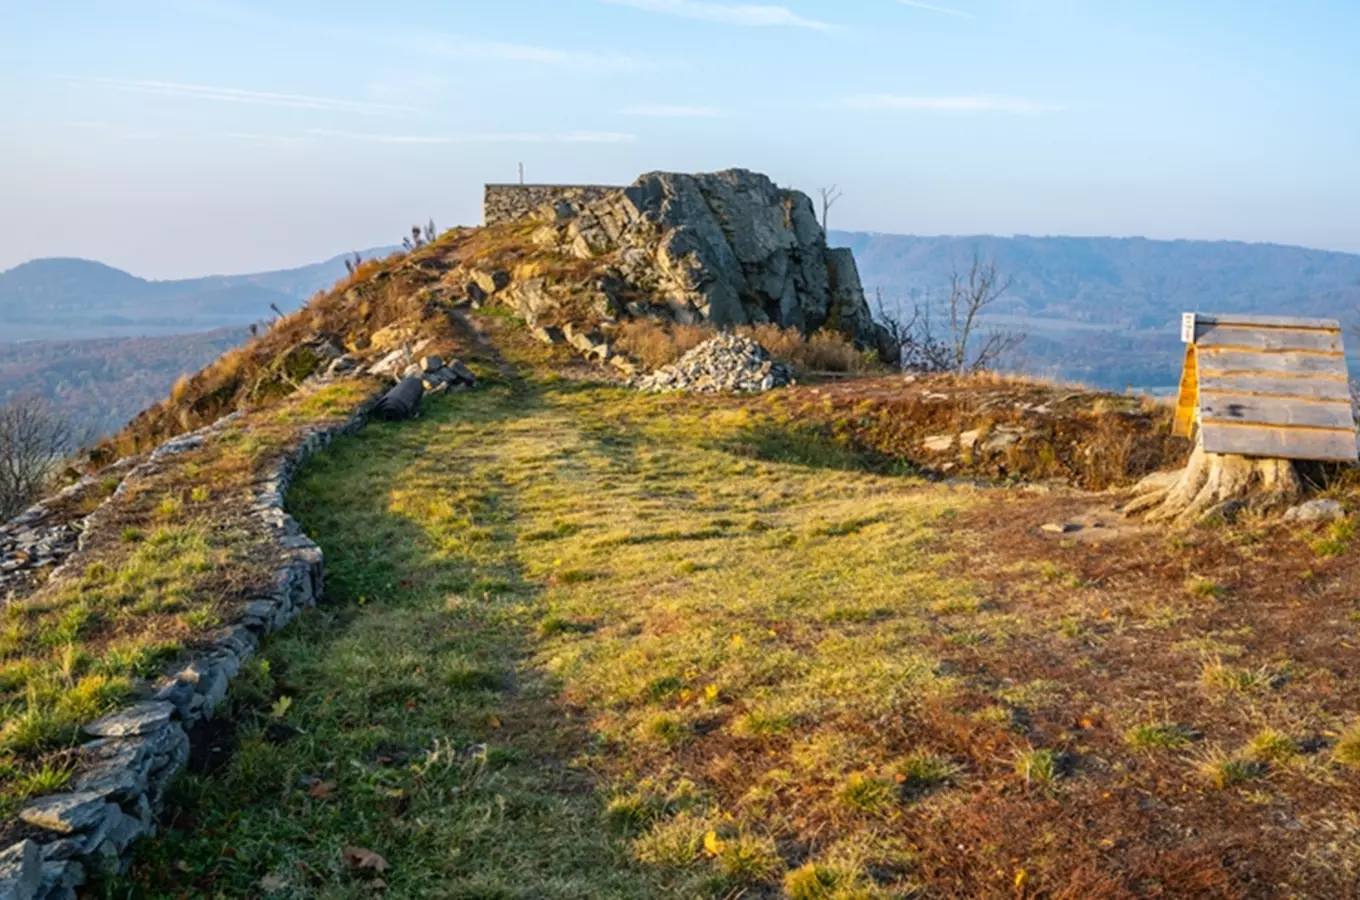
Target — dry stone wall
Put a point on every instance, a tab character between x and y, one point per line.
135	753
514	202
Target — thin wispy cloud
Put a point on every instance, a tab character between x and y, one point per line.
569	137
465	49
748	14
942	10
239	95
662	111
1010	105
266	140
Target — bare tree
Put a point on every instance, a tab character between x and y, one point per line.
32	440
968	296
829	197
962	349
920	350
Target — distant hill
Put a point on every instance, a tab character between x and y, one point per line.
1124	282
78	298
1106	311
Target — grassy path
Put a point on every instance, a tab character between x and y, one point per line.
575	653
583	643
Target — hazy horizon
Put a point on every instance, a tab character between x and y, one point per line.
176	140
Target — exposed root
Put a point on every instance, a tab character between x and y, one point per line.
1216	483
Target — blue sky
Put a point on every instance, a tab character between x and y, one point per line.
182	137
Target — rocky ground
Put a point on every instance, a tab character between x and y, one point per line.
727	362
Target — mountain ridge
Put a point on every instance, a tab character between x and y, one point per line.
88	298
1122	282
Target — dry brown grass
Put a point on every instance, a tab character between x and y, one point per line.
658	344
378	294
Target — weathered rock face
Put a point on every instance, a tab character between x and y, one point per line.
731	248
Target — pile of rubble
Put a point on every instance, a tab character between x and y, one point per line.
727	362
26	549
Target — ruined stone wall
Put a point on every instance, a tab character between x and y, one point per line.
511	202
121	777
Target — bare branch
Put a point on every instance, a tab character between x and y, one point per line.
829	197
32	441
963	349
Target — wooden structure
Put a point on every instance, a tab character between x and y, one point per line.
1266	386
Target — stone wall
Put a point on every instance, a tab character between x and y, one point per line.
512	202
122	774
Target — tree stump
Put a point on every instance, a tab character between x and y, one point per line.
1216	484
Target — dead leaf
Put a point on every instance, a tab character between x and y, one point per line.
273	883
378	885
321	790
359	858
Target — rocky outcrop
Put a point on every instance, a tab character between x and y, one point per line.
730	248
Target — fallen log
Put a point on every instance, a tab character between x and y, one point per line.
402	401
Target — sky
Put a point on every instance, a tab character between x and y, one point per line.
174	138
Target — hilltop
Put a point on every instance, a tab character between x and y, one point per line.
871	635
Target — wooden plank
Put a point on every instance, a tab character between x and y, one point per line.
1271	340
1315	388
1284	443
1293	362
1186	399
1275	410
1266	321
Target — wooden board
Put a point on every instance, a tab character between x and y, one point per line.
1308	388
1293	362
1284	443
1266	321
1245	408
1267	386
1267	340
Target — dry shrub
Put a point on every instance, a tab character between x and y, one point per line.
657	344
831	351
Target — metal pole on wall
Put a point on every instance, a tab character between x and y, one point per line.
521	173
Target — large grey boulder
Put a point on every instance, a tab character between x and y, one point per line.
730	248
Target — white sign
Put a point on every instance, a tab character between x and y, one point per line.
1187	328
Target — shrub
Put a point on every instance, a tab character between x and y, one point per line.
1039	765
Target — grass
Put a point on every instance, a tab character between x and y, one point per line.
1221	771
470	623
584	643
1159	736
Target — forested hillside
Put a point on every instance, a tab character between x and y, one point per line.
100	384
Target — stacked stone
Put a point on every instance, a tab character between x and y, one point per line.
727	362
27	549
121	776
